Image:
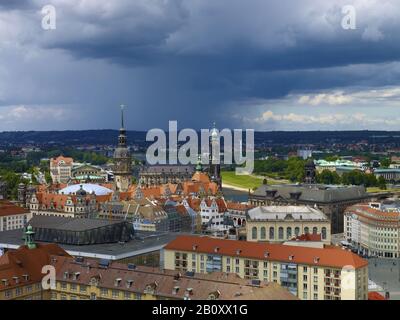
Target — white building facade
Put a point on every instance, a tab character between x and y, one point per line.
374	229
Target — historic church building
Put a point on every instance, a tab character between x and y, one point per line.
122	160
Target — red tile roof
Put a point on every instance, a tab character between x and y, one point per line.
168	283
328	256
24	261
373	295
201	177
238	206
7	208
67	160
365	211
308	237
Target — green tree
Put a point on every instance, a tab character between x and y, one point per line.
359	178
328	177
332	158
295	169
382	183
385	163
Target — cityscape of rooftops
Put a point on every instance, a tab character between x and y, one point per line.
199	150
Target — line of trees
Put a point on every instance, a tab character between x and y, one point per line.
291	169
355	177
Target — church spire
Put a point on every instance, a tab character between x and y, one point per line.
122	115
122	132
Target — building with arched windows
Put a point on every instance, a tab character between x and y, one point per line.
282	223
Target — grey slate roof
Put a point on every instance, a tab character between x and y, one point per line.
70	224
315	193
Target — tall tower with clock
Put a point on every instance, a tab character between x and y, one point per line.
122	160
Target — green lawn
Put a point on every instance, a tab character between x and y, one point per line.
247	182
377	190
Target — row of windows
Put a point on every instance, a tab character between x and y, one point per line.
8	294
263	232
104	292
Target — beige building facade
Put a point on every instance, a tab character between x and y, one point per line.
308	273
282	223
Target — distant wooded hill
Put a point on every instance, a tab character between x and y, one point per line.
282	137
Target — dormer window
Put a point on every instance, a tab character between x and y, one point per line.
151	288
175	290
5	282
117	282
129	283
16	280
216	249
66	274
316	260
26	277
238	251
214	295
189	291
266	254
76	276
291	257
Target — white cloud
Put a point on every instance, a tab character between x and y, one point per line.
331	119
324	98
40	116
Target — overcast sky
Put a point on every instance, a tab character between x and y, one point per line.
261	64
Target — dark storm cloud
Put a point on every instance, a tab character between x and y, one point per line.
168	57
216	57
15	4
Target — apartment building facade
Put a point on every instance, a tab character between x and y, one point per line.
309	273
12	216
89	279
61	169
374	229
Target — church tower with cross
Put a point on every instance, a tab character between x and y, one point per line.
122	160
